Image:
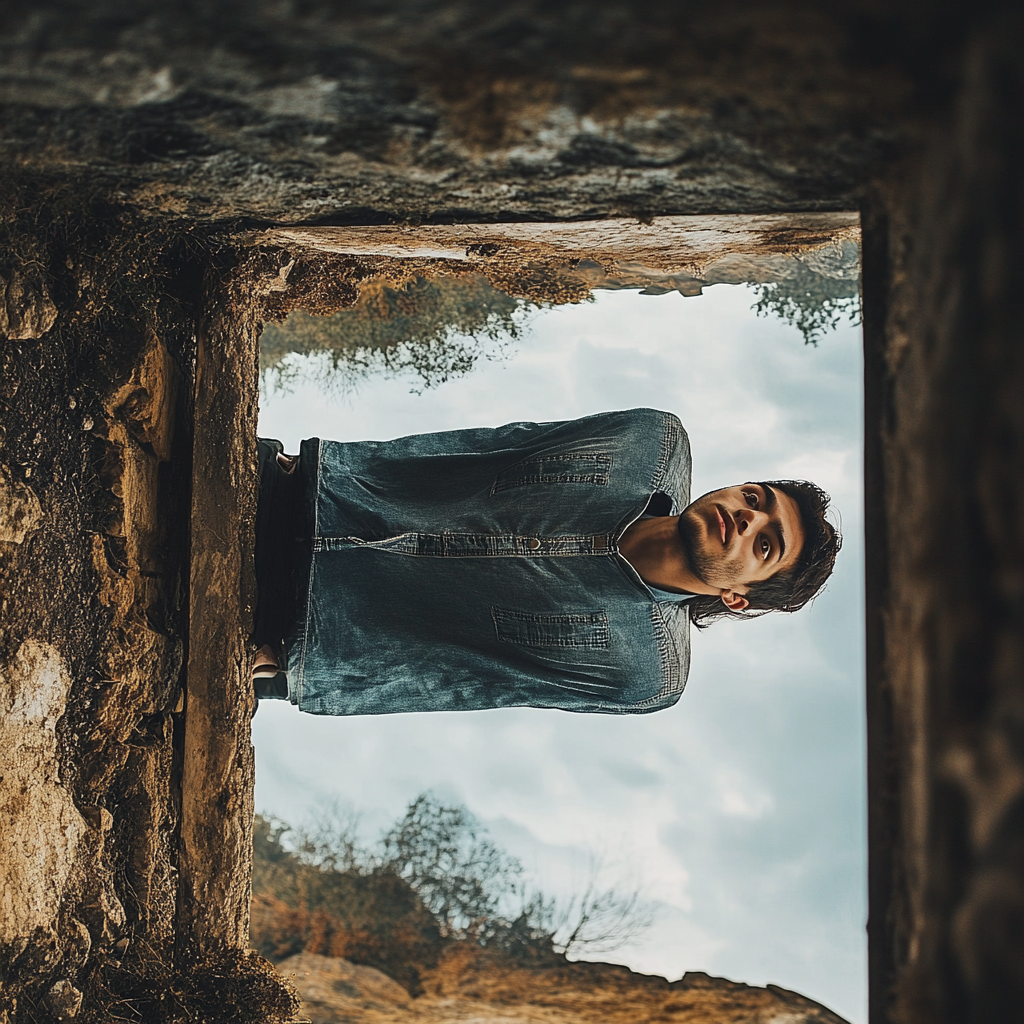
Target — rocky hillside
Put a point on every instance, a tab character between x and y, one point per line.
470	987
367	935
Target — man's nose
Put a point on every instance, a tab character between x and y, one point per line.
746	517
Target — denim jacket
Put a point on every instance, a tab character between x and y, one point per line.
480	569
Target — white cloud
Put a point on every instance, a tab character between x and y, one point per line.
742	807
742	798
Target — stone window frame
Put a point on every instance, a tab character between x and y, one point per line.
285	268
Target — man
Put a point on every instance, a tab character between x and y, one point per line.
553	565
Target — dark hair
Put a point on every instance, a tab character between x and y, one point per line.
786	591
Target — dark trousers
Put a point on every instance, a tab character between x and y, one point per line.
282	549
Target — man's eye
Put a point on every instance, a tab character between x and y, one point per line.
766	547
751	498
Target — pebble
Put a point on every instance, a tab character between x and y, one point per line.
64	999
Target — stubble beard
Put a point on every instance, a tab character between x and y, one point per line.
703	565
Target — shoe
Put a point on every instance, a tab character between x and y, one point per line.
272	685
270	680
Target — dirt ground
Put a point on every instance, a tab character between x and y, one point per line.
468	988
95	470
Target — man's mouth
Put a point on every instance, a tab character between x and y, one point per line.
723	524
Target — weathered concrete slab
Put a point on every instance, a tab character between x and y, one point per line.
665	244
218	770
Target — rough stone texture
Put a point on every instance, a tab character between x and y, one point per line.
91	635
662	244
219	771
324	269
19	508
469	988
43	829
440	110
949	719
26	309
64	1000
123	119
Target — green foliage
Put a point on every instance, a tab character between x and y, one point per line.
812	302
434	328
439	328
463	878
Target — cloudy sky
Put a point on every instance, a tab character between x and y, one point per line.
741	810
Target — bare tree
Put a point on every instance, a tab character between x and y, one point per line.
598	920
330	838
435	328
472	888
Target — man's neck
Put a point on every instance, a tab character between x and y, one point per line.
653	548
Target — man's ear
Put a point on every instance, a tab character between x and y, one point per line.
733	601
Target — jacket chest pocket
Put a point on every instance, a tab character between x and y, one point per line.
563	468
581	629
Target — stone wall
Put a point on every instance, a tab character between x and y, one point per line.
432	110
946	708
140	141
93	468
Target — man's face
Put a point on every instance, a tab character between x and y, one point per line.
741	535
